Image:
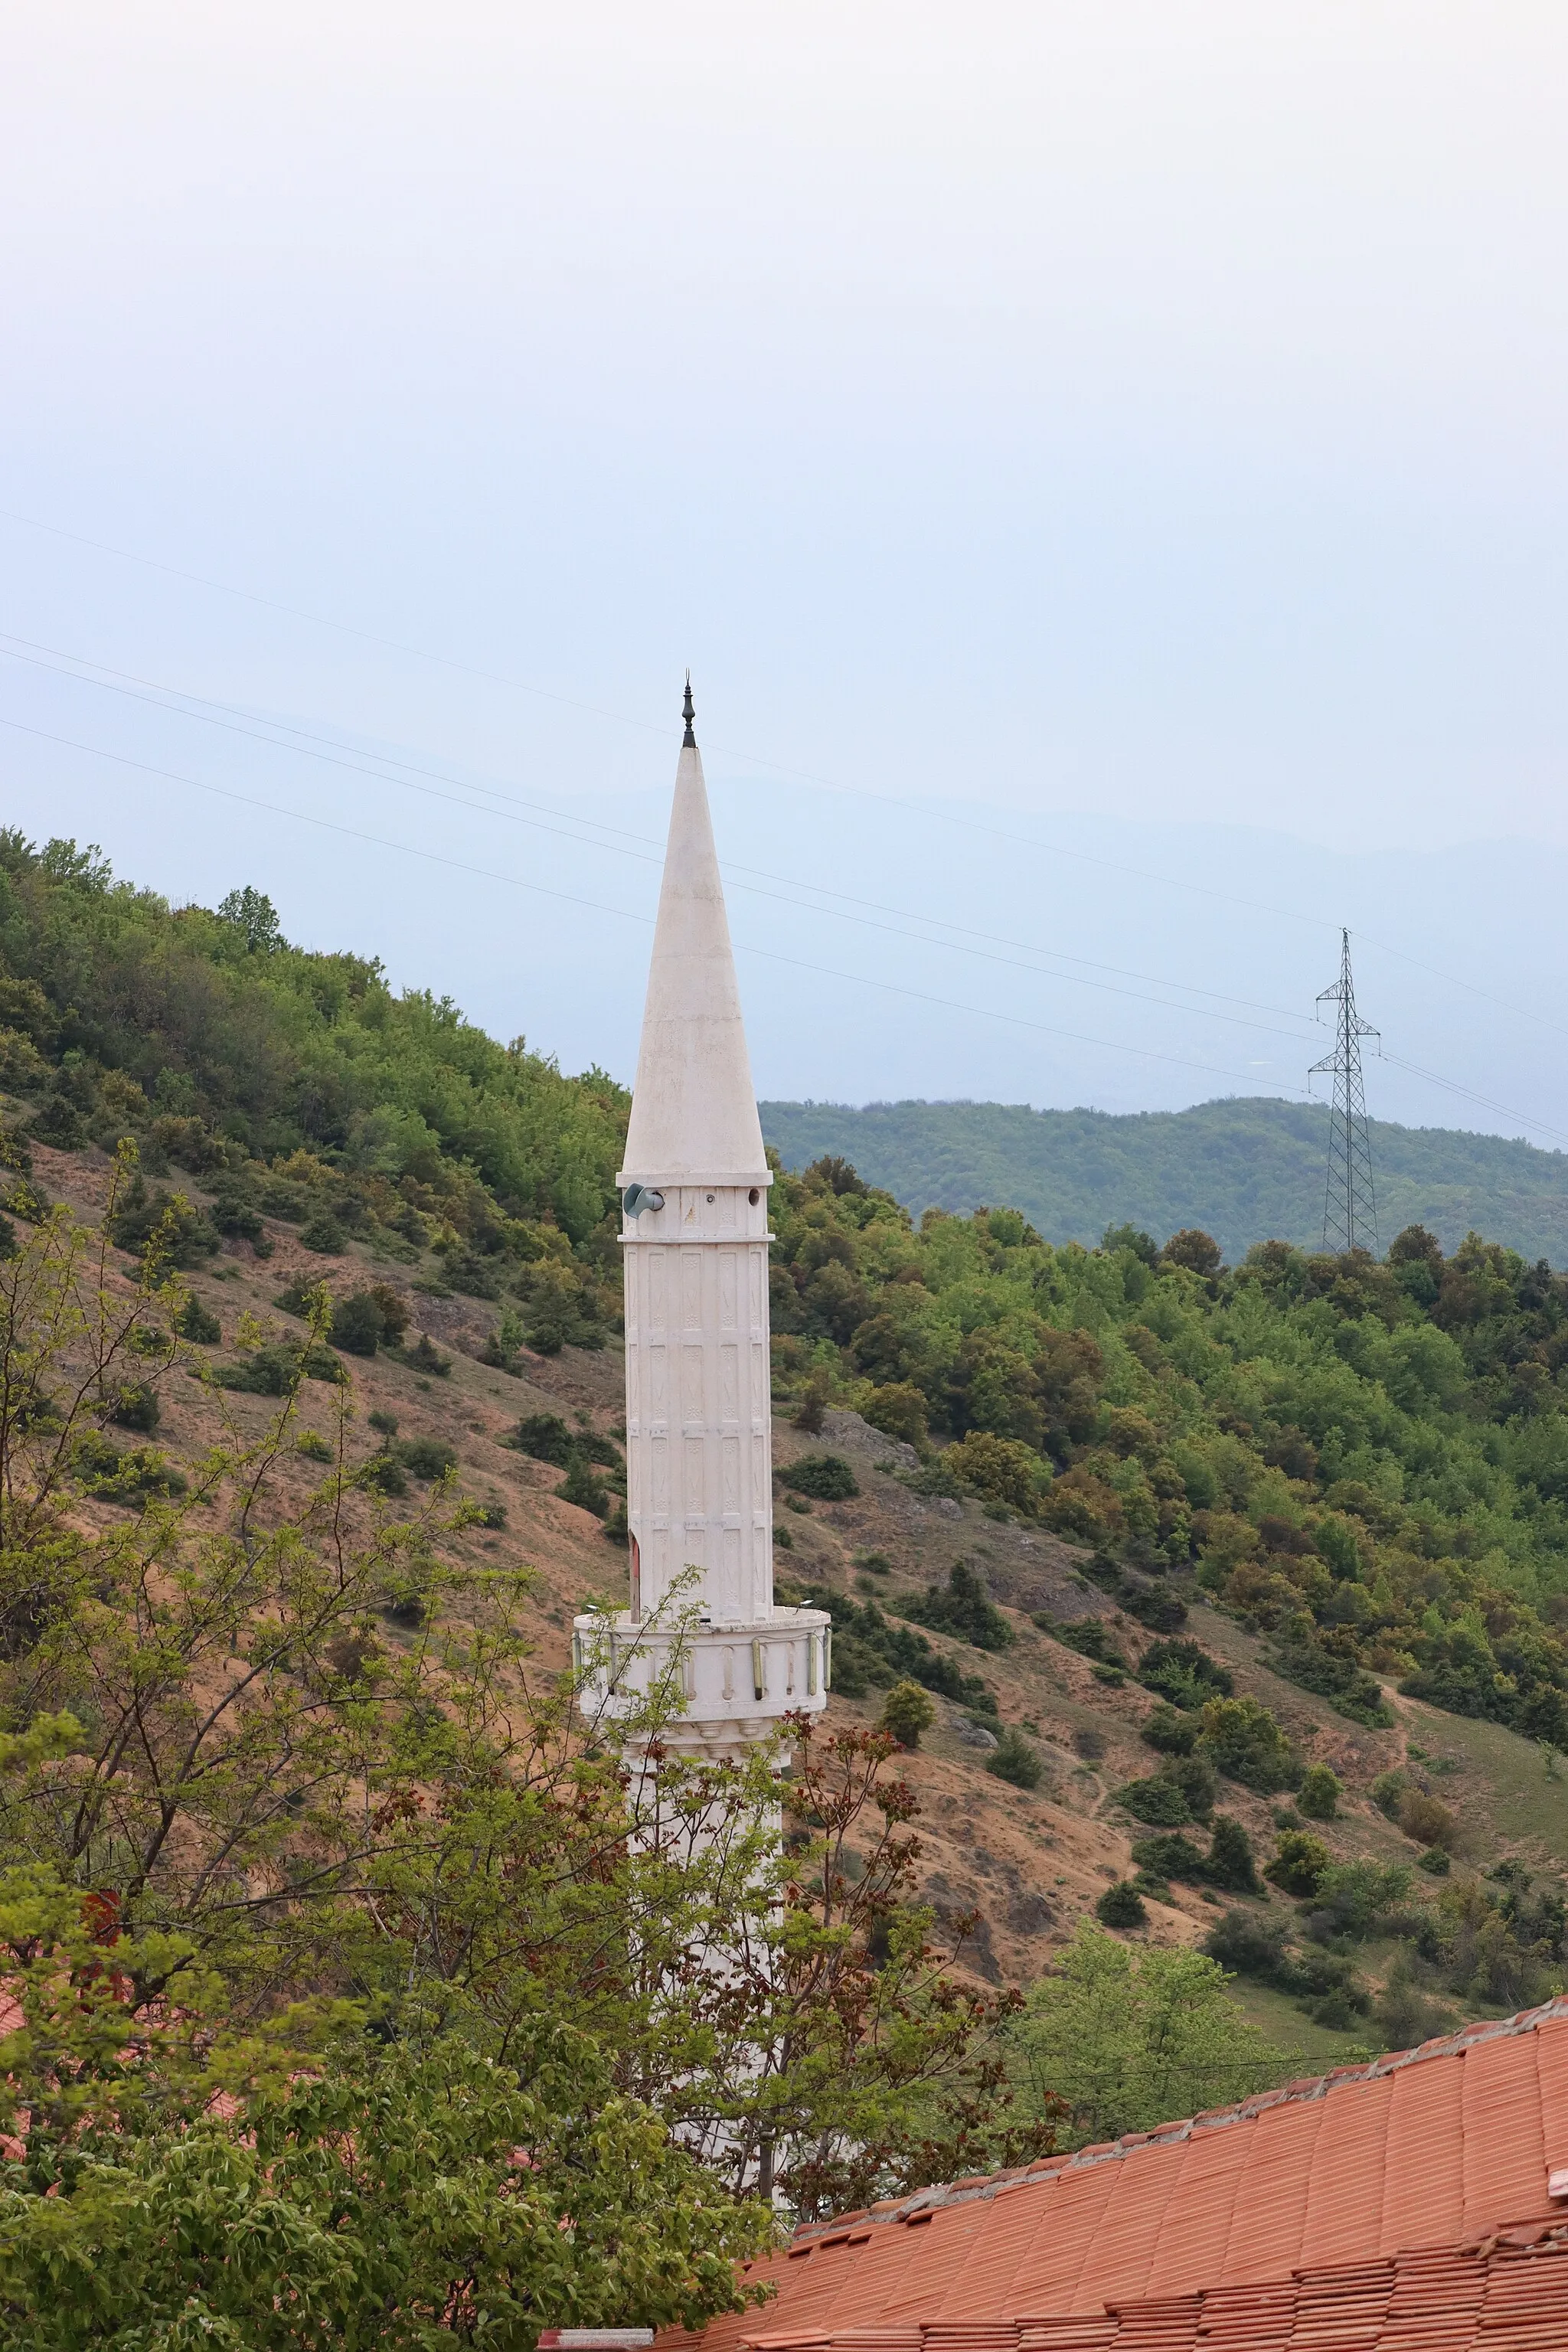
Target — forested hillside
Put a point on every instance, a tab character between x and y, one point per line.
1246	1170
302	1082
309	1449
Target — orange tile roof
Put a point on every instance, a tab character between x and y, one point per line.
1399	2206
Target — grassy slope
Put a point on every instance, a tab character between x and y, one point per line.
1246	1171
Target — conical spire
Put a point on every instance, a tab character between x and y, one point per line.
694	1113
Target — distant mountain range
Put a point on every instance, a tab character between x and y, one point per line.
1246	1169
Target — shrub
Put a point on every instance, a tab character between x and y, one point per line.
313	1446
997	1469
1425	1820
1089	1742
357	1325
133	1475
583	1489
490	1515
195	1323
1121	1906
1299	1861
906	1713
965	1610
272	1371
1159	1800
383	1475
899	1410
163	1220
425	1358
827	1477
136	1406
1353	1897
1253	1947
1165	1729
1090	1636
1319	1794
1159	1611
1230	1863
1182	1672
425	1457
1195	1776
545	1437
1171	1856
1388	1791
1014	1759
1248	1744
812	1410
324	1234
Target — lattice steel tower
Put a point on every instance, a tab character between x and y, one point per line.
1350	1205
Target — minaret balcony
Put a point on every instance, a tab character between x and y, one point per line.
727	1684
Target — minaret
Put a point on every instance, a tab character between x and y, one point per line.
694	1229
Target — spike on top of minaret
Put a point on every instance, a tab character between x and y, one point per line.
688	712
694	1109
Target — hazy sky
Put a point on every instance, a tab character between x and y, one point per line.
1150	412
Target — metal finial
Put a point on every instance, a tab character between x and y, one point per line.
688	712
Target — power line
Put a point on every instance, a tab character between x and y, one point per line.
925	809
488	874
986	1012
649	852
930	811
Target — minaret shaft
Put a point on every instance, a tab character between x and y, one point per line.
694	1235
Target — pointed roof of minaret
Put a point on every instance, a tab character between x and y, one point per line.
694	1111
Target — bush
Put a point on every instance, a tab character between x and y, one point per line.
313	1446
357	1325
1425	1820
1173	1733
964	1609
1230	1863
1014	1759
193	1322
136	1406
545	1437
1353	1896
899	1410
1388	1791
1090	1636
1159	1800
998	1469
827	1477
1319	1794
1121	1906
1252	1945
1154	1608
582	1487
1299	1864
133	1475
383	1475
1182	1672
906	1713
324	1234
425	1358
425	1457
1248	1744
1171	1856
384	1423
165	1221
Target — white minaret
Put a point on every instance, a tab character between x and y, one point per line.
694	1227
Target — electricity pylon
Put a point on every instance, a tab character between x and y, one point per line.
1350	1205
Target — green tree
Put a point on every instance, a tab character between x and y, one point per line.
1133	2038
1319	1794
906	1713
